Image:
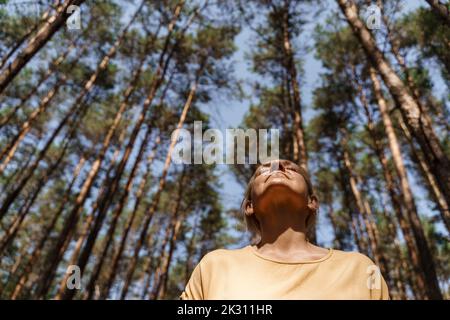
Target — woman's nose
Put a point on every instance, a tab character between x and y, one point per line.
276	165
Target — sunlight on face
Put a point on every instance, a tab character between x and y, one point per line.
279	182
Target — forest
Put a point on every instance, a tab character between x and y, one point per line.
91	91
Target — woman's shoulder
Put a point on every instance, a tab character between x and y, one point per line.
220	254
347	258
352	257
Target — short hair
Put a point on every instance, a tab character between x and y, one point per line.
251	222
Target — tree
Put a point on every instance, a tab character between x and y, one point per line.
43	35
416	119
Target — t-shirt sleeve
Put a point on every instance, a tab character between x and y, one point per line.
194	288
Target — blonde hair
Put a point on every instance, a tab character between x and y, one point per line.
252	222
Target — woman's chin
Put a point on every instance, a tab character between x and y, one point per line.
279	186
280	195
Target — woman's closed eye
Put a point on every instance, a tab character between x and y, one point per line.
265	170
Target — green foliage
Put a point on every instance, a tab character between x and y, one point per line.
422	30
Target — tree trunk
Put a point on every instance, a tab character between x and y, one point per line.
156	275
161	290
172	231
88	221
390	184
74	214
75	117
38	249
360	244
73	111
190	250
139	194
11	275
45	33
14	228
115	217
154	260
418	123
159	76
15	175
11	148
440	199
399	281
54	64
292	71
151	210
123	199
27	34
428	271
363	208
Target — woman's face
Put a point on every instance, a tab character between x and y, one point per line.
279	184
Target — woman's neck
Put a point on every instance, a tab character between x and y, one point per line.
287	240
283	236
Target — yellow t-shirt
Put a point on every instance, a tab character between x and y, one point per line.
244	274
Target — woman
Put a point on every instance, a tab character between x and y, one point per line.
279	206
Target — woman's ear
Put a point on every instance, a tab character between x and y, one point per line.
248	208
313	203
